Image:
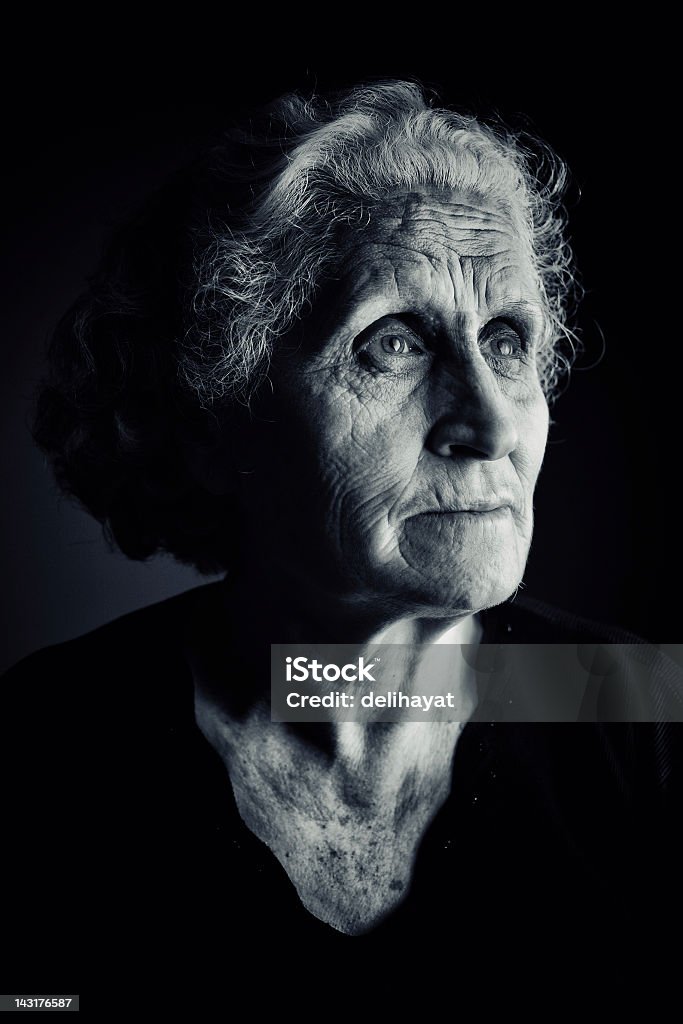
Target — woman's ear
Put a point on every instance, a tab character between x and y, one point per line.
207	453
211	467
220	450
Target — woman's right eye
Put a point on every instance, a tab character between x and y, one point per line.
393	349
396	345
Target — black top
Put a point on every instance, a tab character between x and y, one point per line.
558	848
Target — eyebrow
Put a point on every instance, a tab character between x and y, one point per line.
526	313
523	312
525	306
531	312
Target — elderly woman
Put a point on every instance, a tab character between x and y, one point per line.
320	362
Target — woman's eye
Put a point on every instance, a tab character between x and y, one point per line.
395	345
505	344
393	350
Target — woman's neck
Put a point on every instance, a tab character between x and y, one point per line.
343	805
419	653
270	608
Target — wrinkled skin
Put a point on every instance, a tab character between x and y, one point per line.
387	487
394	465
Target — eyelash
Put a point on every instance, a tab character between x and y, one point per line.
502	331
510	334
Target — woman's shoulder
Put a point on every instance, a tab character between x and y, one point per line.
621	676
527	619
115	693
142	642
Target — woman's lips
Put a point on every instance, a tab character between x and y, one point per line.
472	511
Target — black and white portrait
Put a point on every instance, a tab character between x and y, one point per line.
369	361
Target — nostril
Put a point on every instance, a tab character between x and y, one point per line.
461	451
455	450
452	442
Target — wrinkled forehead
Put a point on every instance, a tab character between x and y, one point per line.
438	221
442	251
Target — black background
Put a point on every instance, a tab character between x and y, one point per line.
91	124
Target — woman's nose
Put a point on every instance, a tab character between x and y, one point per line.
474	417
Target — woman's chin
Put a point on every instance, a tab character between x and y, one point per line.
458	579
442	590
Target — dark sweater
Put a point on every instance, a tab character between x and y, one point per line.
558	848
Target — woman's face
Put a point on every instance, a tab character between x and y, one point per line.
395	462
